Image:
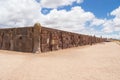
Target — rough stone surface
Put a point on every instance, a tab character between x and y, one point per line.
36	38
17	39
39	39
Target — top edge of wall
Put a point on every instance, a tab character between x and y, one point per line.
51	29
16	27
64	31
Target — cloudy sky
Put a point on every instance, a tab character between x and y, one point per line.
92	17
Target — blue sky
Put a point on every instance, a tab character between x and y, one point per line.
91	17
100	8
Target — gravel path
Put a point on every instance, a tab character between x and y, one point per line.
97	62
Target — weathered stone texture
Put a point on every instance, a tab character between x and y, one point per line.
39	39
36	38
18	39
45	41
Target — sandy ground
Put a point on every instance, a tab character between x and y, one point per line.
97	62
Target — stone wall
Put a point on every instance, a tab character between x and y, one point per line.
39	39
52	39
17	39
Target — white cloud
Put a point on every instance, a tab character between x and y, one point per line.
97	22
74	20
116	12
116	36
116	20
113	25
108	26
15	13
19	12
57	3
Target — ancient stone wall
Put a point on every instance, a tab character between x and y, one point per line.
52	39
17	39
41	39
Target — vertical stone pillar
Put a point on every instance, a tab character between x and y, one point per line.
11	41
36	38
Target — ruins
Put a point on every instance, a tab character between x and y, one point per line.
37	39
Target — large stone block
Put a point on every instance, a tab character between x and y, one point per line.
36	38
23	43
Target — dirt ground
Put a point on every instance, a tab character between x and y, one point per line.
97	62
